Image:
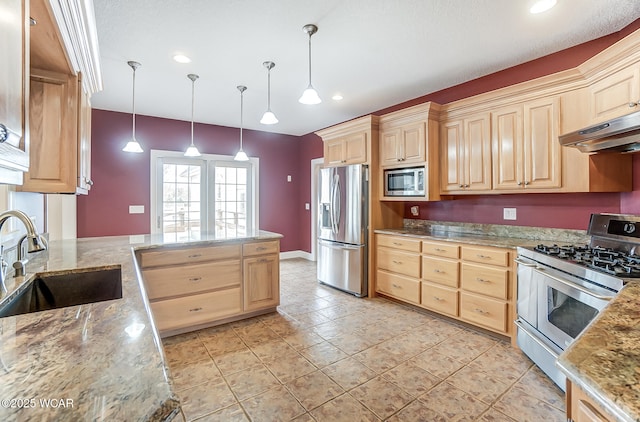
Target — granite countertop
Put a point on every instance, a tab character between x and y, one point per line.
100	361
605	359
469	238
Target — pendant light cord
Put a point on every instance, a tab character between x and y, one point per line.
269	90
310	59
193	84
241	109
133	106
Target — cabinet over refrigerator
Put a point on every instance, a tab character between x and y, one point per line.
342	228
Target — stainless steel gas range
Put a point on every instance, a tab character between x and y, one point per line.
561	289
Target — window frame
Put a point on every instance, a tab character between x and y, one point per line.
207	186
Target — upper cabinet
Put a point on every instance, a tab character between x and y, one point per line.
526	151
14	91
466	154
63	76
350	142
615	95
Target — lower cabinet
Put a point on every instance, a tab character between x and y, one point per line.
471	283
582	408
197	286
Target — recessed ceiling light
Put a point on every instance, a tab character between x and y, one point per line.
180	58
337	97
542	6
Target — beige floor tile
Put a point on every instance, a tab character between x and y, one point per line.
180	339
186	375
440	365
379	359
311	318
351	344
258	334
465	346
232	413
272	349
205	398
289	367
236	361
187	352
417	411
302	339
537	384
323	354
330	329
492	415
526	408
478	384
381	396
305	417
276	404
314	389
251	382
349	373
411	378
452	403
343	409
505	362
220	345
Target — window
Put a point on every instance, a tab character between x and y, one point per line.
211	193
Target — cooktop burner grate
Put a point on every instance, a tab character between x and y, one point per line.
607	260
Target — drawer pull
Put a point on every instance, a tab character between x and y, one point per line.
198	309
482	280
439	250
397	262
483	256
261	248
397	286
438	271
195	279
397	243
195	255
482	312
439	299
263	260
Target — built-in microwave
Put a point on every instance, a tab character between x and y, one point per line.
404	182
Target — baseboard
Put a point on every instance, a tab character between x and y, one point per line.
296	254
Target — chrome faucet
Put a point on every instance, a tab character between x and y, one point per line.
35	242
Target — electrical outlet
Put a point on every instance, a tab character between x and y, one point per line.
509	213
288	178
415	211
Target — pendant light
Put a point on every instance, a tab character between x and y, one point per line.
192	151
310	96
133	145
241	155
268	118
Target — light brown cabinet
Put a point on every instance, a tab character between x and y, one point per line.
349	142
526	151
471	283
582	408
14	91
466	158
192	287
404	144
616	95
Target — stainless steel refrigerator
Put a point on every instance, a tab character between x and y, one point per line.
342	228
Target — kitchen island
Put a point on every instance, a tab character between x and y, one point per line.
100	361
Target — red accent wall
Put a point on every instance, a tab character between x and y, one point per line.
122	179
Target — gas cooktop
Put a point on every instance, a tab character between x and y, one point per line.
608	260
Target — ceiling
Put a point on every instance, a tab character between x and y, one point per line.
376	53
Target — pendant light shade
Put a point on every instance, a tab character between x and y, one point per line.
310	96
133	145
268	118
241	155
192	151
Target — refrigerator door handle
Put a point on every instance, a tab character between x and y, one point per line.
336	202
334	245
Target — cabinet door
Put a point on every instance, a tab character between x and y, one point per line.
452	157
355	149
542	150
53	133
14	90
583	408
390	146
477	147
334	151
261	282
616	95
414	143
507	154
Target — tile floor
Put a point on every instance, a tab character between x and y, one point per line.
328	356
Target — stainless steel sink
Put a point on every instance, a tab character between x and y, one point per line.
61	289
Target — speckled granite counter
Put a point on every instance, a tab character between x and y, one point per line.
605	359
101	361
474	239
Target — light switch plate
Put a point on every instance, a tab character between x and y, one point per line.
136	209
307	206
509	213
288	178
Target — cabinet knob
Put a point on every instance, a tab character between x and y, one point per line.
461	186
519	183
526	183
466	186
634	104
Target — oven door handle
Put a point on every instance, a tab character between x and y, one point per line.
536	339
526	264
574	285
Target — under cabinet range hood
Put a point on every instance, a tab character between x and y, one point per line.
621	134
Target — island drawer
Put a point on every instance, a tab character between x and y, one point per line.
166	256
189	279
261	248
173	314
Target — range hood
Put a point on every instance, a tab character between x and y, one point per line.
621	134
